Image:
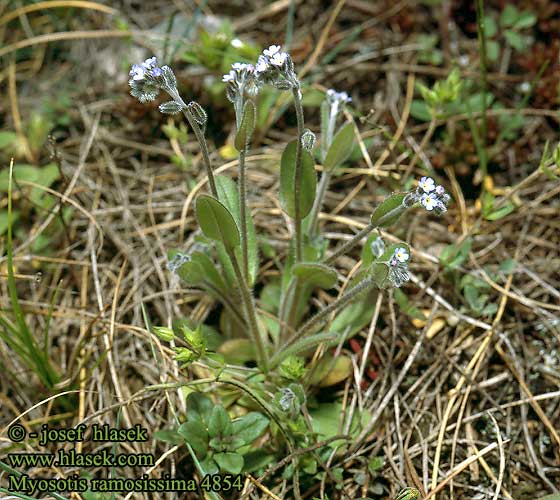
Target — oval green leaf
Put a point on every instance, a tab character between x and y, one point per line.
341	147
229	462
315	274
216	221
389	211
229	196
247	126
287	176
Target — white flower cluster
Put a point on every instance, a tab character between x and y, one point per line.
147	79
338	97
146	69
432	197
398	267
240	80
275	67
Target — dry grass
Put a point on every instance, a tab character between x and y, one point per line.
463	406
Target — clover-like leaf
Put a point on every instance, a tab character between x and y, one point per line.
315	274
249	427
389	211
199	407
341	147
247	126
287	176
229	462
196	435
219	423
216	221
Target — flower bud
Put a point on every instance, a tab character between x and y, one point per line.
198	113
164	333
308	140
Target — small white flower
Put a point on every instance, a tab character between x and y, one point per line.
278	59
525	87
273	49
137	72
236	43
149	63
401	254
427	184
429	202
230	77
440	190
262	65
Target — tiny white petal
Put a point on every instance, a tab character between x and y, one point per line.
236	43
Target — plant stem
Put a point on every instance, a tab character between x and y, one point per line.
243	213
297	175
318	203
250	312
204	149
332	307
342	249
200	138
483	80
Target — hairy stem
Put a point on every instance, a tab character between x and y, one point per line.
243	213
318	202
199	137
342	249
204	149
323	313
250	312
297	175
483	81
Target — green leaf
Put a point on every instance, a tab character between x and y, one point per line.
169	436
492	50
326	420
525	20
405	306
196	435
515	40
353	317
509	16
219	423
308	181
490	27
246	127
453	256
501	212
199	407
7	139
340	148
229	196
238	351
420	110
307	343
211	273
229	462
315	274
216	221
331	370
4	220
256	460
191	273
389	211
250	426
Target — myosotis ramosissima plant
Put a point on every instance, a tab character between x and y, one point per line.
224	216
229	238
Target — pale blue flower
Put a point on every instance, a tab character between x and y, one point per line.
427	184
